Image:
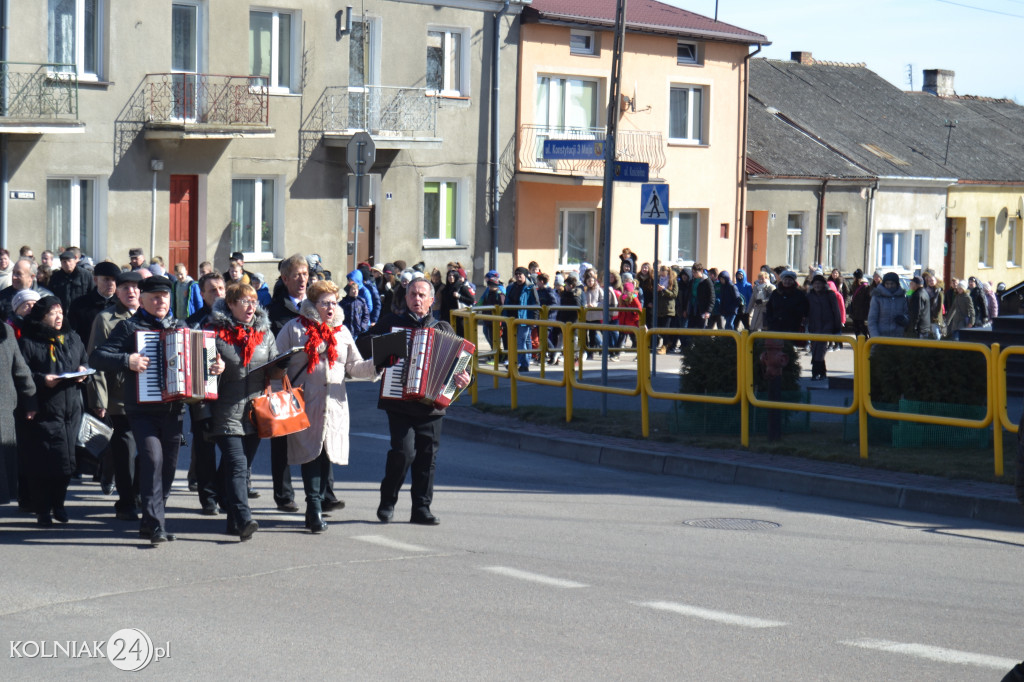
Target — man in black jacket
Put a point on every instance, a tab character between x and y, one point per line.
415	427
703	304
85	308
70	281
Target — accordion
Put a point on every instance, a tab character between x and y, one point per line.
427	374
179	365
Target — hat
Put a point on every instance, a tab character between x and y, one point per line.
628	286
492	274
462	273
818	278
156	269
406	276
858	273
787	273
522	271
917	280
877	272
237	255
155	284
24	296
891	277
559	280
106	269
389	269
627	277
130	276
42	306
67	255
399	265
132	253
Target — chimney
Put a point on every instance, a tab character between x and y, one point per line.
939	82
803	58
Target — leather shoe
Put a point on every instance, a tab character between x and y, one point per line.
425	519
209	510
385	513
288	506
248	529
127	515
61	515
253	494
332	505
107	488
315	522
153	534
44	520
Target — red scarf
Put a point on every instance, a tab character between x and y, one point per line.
246	338
318	333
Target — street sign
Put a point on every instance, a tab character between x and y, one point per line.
361	153
631	171
555	150
654	204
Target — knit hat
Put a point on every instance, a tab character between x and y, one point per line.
891	277
492	274
877	272
818	278
389	268
858	273
42	306
787	273
406	276
559	280
627	277
24	296
522	271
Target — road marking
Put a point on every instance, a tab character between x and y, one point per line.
532	577
388	542
716	616
375	436
935	653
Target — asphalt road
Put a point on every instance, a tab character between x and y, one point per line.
542	569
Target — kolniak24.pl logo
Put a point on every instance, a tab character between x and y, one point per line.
127	649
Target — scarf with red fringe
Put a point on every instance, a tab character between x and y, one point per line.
319	333
245	338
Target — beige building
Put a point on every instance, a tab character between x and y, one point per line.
195	128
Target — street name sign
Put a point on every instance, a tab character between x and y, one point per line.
555	150
631	171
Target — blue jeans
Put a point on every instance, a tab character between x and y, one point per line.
524	344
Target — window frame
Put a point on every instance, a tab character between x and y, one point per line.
793	258
464	63
1013	242
561	234
590	50
79	73
274	86
702	119
698	53
834	240
899	245
98	230
673	237
443	182
278	216
984	242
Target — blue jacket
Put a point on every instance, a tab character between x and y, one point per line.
728	296
357	318
746	289
364	293
526	294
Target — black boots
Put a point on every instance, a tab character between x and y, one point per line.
315	521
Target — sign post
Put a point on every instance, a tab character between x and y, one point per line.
654	211
360	154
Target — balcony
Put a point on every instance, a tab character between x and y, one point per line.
630	145
202	106
396	117
37	99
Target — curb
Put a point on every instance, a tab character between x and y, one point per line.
990	509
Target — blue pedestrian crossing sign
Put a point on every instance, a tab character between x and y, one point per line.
654	204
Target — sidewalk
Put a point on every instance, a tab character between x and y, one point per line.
988	502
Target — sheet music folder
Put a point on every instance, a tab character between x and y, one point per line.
283	356
383	346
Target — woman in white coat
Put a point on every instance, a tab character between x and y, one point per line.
330	354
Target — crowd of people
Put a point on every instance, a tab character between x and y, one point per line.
69	347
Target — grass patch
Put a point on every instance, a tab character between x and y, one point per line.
821	442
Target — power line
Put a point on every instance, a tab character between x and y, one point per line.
982	9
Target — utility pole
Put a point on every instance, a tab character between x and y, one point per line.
615	92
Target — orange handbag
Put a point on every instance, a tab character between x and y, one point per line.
279	413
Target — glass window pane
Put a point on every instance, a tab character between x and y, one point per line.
284	51
260	24
686	236
183	38
579	236
698	114
451	207
356	55
243	204
86	199
267	218
58	212
61	30
455	63
678	118
431	210
581	104
435	60
90	38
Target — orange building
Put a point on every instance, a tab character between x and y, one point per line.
682	111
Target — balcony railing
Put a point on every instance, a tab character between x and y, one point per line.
206	99
35	91
380	110
630	145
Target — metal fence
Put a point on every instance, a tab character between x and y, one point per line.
381	110
206	99
38	91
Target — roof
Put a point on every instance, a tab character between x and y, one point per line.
641	15
830	120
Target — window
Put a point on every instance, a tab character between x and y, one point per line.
271	48
567	103
581	42
1013	242
445	62
253	213
984	243
795	240
576	237
890	249
440	212
683	236
687	53
74	31
71	213
834	223
686	114
919	250
363	74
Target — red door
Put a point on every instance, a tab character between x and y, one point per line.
184	223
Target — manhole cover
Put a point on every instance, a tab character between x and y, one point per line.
732	524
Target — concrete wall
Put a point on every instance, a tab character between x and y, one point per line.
911	209
967	205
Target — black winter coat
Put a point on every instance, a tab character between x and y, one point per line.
84	310
54	431
68	287
787	307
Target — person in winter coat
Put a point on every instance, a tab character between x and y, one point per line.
645	285
888	314
787	306
455	295
668	290
370	283
186	299
244	340
919	313
933	288
979	302
357	317
630	318
702	299
50	351
992	304
17	396
493	295
364	293
329	357
70	281
521	292
823	317
729	301
839	282
684	283
841	300
959	314
860	304
762	289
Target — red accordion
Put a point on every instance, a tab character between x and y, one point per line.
179	365
428	373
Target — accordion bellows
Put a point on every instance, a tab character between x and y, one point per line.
428	373
179	365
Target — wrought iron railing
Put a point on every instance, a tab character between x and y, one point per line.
378	109
630	145
206	99
38	91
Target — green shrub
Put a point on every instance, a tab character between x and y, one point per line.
931	375
708	365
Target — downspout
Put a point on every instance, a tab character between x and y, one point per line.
869	228
152	227
741	225
5	15
495	200
819	244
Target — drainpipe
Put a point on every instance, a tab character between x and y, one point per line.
820	240
741	225
495	202
152	227
869	228
5	15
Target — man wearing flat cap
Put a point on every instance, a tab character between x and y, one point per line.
137	258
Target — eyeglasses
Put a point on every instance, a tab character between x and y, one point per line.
248	302
326	303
